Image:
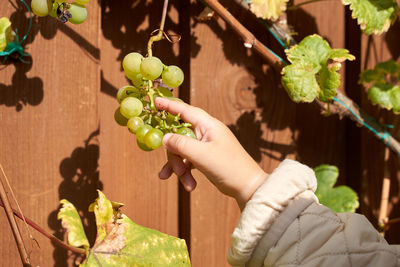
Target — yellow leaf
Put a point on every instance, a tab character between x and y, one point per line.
268	9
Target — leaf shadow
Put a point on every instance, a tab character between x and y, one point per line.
79	186
23	90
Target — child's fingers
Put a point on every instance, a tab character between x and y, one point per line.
166	171
188	181
177	164
185	147
188	113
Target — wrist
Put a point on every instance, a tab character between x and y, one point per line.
250	186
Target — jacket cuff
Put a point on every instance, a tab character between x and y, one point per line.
286	183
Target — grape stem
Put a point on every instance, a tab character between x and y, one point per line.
159	35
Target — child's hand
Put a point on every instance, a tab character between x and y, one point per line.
216	153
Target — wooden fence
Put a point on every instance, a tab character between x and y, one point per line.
59	139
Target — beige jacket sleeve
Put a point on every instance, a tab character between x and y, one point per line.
284	225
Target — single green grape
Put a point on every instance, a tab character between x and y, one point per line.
142	131
131	64
143	146
82	2
151	68
126	91
138	81
131	107
153	138
78	13
186	131
172	76
121	120
41	8
134	124
163	91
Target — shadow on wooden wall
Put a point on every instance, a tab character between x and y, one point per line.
81	182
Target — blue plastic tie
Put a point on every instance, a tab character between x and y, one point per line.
15	46
384	136
30	21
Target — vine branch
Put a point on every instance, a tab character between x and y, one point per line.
250	41
14	226
160	33
335	108
57	241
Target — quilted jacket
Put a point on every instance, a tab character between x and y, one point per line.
284	225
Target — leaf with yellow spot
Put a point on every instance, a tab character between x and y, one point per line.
120	242
373	16
268	9
71	221
313	70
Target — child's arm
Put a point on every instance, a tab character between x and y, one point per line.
282	223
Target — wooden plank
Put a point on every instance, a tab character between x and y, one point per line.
237	87
233	85
320	139
376	49
130	175
47	111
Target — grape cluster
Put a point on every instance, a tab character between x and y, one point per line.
137	110
74	12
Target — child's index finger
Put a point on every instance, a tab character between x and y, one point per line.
187	112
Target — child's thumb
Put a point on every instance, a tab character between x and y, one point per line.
182	145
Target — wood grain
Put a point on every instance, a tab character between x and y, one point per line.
47	110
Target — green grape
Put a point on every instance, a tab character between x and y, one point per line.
142	131
186	131
151	68
82	2
143	146
53	11
138	81
153	138
172	76
41	8
131	64
163	91
131	107
78	13
134	124
121	120
126	91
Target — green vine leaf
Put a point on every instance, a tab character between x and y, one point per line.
383	85
71	221
340	198
121	242
373	16
5	33
313	72
268	9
